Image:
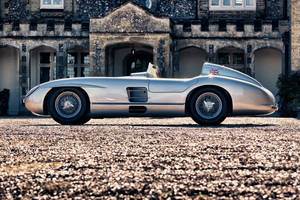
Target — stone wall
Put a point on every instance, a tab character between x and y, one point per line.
184	9
24	10
295	36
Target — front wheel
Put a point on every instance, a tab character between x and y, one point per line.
68	106
209	106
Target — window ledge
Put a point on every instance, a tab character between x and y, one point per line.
218	8
51	8
47	7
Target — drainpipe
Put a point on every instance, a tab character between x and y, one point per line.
286	41
197	7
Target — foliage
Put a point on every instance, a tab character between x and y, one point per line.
4	97
289	93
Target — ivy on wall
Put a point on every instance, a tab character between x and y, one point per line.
289	93
166	8
17	10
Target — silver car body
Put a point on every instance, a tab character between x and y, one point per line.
120	96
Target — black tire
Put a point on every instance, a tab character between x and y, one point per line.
208	106
68	106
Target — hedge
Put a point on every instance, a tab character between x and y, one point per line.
289	93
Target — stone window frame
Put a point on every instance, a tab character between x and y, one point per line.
232	7
51	6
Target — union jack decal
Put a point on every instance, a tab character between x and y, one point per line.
214	71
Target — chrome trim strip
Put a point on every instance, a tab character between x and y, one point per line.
137	103
74	85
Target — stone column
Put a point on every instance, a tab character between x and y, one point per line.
95	54
212	57
176	61
163	57
160	56
23	71
295	35
61	62
249	66
24	76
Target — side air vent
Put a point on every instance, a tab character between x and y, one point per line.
137	109
137	94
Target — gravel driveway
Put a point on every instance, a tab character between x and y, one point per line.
244	158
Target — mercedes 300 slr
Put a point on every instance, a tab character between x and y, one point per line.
209	98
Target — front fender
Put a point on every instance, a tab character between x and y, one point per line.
247	98
35	101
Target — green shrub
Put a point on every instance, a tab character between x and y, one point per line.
289	93
4	98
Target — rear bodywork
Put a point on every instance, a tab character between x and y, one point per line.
144	95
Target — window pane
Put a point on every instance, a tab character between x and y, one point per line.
71	59
54	59
44	58
85	58
70	73
223	58
249	2
238	58
214	2
238	2
226	2
57	2
76	71
47	2
86	71
44	74
81	71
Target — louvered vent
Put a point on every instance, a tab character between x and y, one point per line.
137	94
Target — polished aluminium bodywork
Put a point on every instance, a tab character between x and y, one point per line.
111	96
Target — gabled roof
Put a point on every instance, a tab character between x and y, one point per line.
129	18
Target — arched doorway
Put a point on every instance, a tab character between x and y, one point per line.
232	57
191	60
9	65
42	65
125	58
138	62
268	66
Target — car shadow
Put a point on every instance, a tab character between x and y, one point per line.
160	125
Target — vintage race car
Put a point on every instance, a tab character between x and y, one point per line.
209	98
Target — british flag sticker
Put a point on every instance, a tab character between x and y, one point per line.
214	71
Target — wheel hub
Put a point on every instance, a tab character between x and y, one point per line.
68	104
208	105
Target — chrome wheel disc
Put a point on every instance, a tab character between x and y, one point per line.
68	104
208	105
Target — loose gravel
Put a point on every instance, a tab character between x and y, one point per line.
143	158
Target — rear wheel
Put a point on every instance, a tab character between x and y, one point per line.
209	106
68	106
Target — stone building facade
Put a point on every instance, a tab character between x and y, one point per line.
42	40
295	35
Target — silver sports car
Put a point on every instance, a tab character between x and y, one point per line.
209	98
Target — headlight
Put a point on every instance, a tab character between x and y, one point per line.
32	91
